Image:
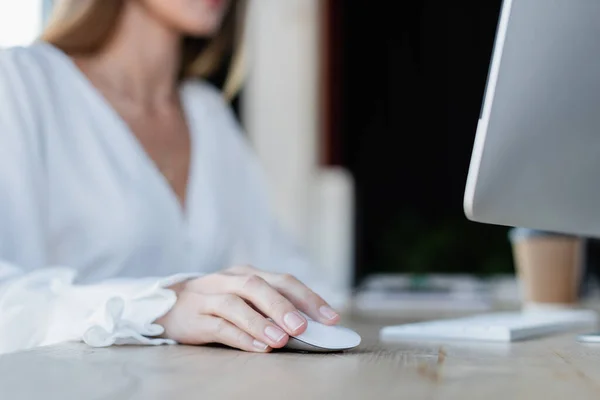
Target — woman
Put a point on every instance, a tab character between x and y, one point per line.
130	202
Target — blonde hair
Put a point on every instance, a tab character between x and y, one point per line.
80	27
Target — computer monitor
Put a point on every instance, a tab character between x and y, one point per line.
536	156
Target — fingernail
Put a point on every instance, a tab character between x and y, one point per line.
274	334
327	312
260	345
293	320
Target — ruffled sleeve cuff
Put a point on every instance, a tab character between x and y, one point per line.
113	313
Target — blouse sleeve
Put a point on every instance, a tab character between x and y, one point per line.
39	303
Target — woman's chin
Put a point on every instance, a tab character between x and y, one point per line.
206	30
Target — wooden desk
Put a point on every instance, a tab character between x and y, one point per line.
550	368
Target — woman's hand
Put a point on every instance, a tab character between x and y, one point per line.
232	307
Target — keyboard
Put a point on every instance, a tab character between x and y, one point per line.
496	327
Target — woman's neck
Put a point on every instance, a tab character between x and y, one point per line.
141	62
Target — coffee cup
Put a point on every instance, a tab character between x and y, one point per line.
548	266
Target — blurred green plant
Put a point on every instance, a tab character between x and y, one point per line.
418	245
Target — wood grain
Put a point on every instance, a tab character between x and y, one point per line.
550	368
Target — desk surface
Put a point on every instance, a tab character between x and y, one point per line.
550	368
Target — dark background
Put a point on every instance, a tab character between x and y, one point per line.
412	79
403	92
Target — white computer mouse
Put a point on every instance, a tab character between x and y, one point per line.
323	338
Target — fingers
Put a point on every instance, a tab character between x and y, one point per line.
296	292
305	299
270	302
235	310
190	322
292	290
218	330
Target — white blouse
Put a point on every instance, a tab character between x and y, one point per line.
91	233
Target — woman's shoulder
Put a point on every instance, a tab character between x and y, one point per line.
26	62
207	99
209	103
28	89
204	93
29	75
16	55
